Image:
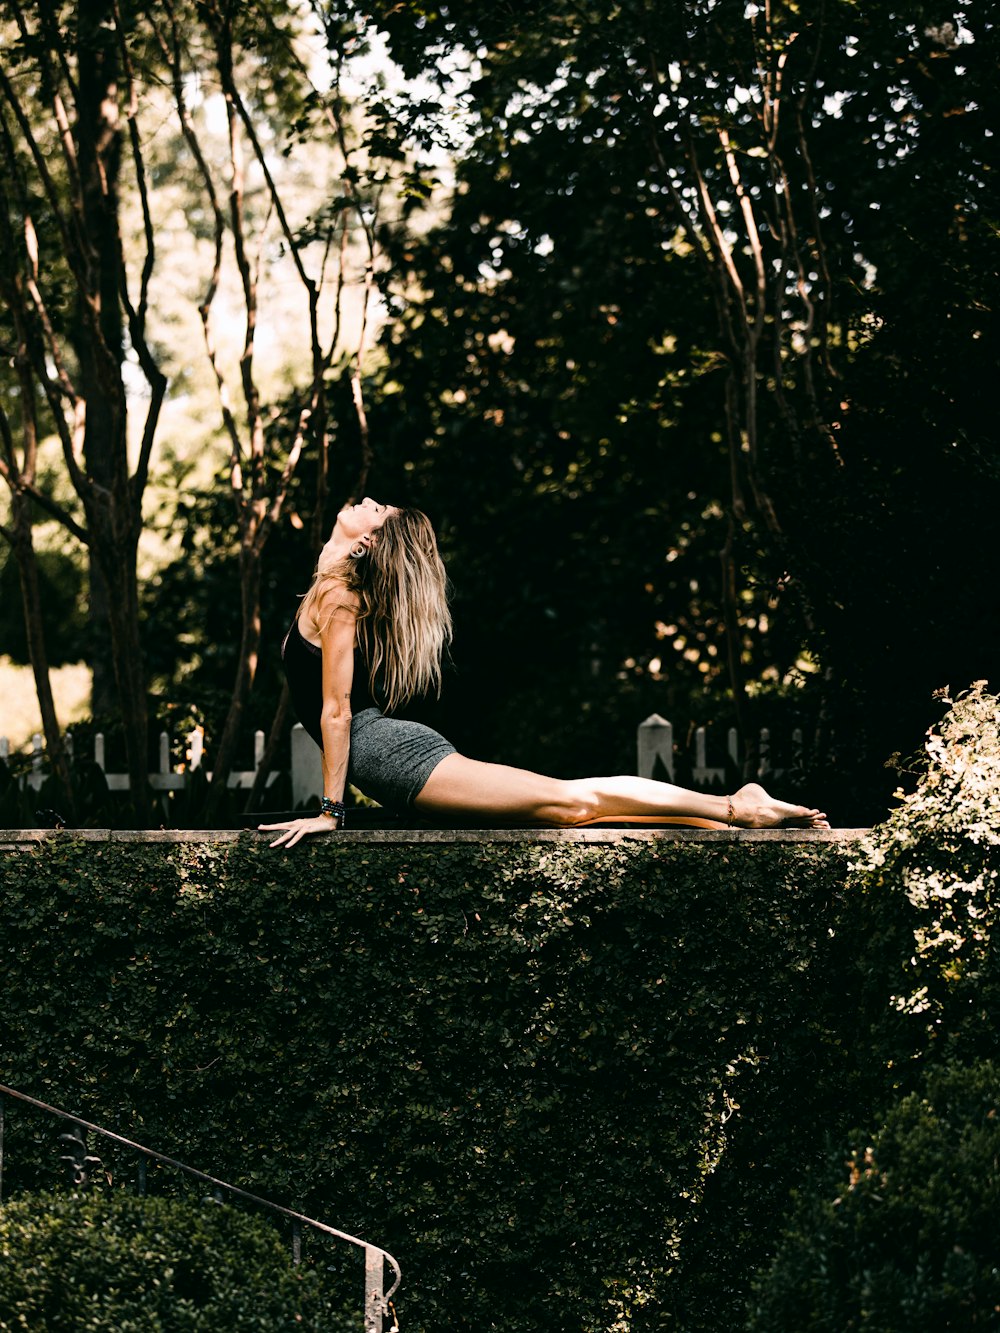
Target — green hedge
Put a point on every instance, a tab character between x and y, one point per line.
72	1264
568	1086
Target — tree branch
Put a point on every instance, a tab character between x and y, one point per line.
172	55
137	316
75	248
8	470
57	512
25	312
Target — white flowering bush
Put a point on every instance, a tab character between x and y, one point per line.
941	849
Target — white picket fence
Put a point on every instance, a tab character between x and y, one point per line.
307	770
655	743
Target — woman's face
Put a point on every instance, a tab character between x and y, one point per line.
358	521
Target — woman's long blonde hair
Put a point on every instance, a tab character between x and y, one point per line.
403	623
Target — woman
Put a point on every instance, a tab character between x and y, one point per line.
368	638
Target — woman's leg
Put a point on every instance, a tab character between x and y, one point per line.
465	786
461	786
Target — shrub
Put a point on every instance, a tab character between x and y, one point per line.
907	1236
119	1264
939	852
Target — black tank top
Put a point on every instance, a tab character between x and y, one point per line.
303	663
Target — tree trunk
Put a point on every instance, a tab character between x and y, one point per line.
31	597
126	647
278	733
222	762
111	512
103	699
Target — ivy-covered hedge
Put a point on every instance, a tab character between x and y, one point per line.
568	1086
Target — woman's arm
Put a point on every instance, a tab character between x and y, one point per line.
337	619
337	637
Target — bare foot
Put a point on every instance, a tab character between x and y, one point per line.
753	808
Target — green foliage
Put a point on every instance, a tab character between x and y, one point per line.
940	851
908	1239
907	1236
566	1085
557	378
115	1264
61	582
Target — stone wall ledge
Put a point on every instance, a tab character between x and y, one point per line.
23	838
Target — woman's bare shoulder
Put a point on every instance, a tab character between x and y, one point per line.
335	603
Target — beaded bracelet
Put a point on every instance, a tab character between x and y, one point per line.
328	806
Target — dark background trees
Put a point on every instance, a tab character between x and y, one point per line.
687	329
634	411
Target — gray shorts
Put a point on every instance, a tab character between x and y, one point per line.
391	759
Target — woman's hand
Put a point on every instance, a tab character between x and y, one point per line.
296	829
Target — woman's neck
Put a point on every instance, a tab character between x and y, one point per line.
335	552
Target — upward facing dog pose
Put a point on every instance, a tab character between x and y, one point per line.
368	638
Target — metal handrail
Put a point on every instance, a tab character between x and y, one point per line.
377	1301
